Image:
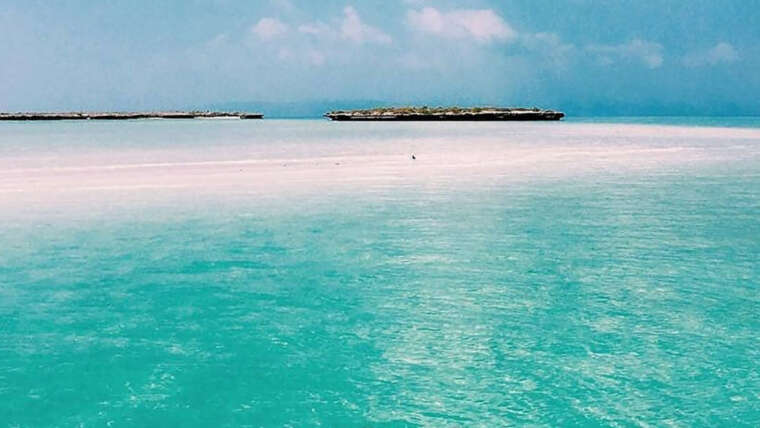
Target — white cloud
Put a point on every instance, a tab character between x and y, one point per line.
649	53
349	27
352	28
314	28
297	56
412	61
483	25
313	43
268	28
315	57
285	54
218	40
722	53
549	46
285	5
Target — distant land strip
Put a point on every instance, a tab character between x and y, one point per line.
446	113
129	115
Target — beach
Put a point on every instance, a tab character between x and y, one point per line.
282	158
305	272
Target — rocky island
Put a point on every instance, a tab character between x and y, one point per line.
129	115
446	113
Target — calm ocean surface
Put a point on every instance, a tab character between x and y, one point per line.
303	273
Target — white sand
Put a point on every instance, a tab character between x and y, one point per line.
532	153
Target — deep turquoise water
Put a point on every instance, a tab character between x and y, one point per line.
604	298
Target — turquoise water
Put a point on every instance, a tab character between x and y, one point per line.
613	296
713	121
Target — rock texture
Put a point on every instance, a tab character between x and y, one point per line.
128	115
446	113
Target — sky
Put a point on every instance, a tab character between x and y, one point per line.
586	57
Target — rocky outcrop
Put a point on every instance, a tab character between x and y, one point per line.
445	114
251	115
129	115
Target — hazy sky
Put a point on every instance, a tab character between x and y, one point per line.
624	56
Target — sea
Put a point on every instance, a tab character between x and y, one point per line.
257	273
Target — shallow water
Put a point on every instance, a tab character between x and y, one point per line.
701	121
544	274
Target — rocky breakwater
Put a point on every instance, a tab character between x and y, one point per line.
129	115
446	114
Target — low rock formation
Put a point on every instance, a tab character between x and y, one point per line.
446	113
129	115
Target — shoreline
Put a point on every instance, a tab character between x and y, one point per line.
39	116
253	165
435	114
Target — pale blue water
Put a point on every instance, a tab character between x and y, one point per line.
606	297
712	121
